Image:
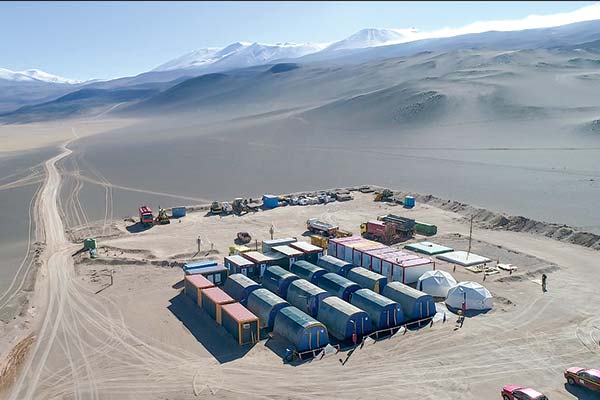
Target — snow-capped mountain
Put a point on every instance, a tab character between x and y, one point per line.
371	37
33	75
238	55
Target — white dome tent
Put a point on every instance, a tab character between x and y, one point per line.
436	283
475	296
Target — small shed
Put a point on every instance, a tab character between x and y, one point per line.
302	331
306	296
193	285
367	279
308	271
463	258
291	254
213	299
270	201
178	212
384	313
311	252
261	260
429	248
338	285
335	265
239	287
277	280
343	320
216	273
237	264
267	245
415	304
240	323
265	305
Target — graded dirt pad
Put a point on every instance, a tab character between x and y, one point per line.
141	338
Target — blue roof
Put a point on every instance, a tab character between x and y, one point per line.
199	264
209	269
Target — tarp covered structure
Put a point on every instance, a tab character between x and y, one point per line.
436	283
475	297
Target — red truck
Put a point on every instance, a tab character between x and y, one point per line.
146	216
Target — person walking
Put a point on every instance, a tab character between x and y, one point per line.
544	279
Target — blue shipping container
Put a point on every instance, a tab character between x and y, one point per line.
239	287
384	312
265	305
199	264
277	280
178	212
415	304
335	265
306	296
308	271
338	285
270	201
302	331
343	320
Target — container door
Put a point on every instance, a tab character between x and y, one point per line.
310	343
386	267
292	260
376	264
262	269
397	273
376	287
366	261
245	271
420	310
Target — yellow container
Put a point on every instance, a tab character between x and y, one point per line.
238	250
318	240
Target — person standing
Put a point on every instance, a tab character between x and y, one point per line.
544	279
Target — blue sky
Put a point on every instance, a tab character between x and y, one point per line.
110	39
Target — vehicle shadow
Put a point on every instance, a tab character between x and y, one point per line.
581	393
207	332
138	227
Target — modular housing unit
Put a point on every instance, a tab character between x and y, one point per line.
178	212
270	201
265	305
335	265
261	261
302	331
401	266
308	271
237	264
240	323
290	254
267	245
336	246
277	280
216	273
306	296
212	301
193	285
338	285
415	304
343	320
239	287
358	251
311	252
384	313
367	279
368	254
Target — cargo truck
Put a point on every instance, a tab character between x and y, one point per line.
320	227
386	232
146	217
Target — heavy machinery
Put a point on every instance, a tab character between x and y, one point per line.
216	208
162	218
388	229
240	206
146	217
227	209
243	238
319	241
319	227
342	233
385	195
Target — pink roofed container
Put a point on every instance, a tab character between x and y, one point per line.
193	286
334	243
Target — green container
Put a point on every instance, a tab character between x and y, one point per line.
425	229
89	244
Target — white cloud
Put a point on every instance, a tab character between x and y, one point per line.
587	13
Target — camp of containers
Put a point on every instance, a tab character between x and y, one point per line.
305	297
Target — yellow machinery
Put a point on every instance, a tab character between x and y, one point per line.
319	241
342	233
162	218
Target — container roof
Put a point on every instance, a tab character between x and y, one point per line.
267	296
346	239
341	305
306	247
199	281
463	258
365	272
334	260
338	280
199	263
407	290
275	242
239	260
428	248
242	280
288	251
307	286
299	317
257	257
374	297
217	295
208	270
239	312
280	272
309	266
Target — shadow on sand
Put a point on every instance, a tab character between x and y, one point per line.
138	227
468	313
581	393
206	331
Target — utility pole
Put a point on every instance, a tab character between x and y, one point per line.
272	231
470	236
199	244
